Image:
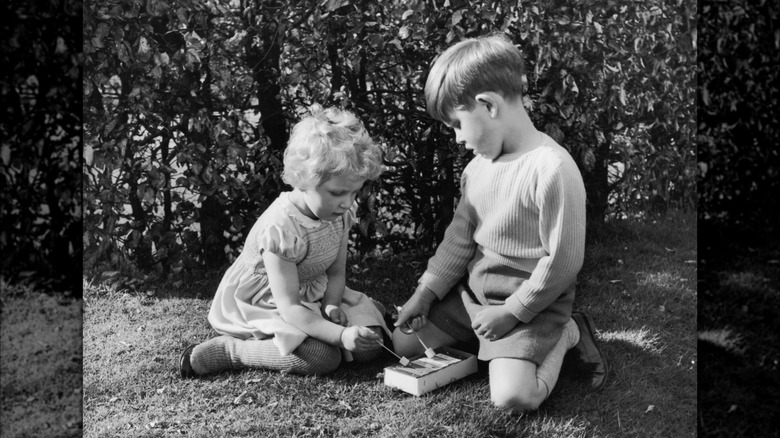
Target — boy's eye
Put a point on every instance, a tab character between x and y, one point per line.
340	194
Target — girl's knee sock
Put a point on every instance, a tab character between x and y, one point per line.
365	356
550	368
228	353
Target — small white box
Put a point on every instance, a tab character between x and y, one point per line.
425	374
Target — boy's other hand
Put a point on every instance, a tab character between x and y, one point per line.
491	322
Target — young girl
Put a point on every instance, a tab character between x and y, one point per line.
283	304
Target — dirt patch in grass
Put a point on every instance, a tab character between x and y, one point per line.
41	366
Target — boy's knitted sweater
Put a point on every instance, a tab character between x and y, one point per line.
524	210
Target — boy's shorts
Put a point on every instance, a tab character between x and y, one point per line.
490	283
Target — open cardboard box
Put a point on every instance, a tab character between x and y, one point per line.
425	374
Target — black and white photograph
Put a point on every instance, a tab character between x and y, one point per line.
412	218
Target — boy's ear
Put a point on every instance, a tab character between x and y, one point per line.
490	102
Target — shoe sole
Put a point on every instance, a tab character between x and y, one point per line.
589	325
185	356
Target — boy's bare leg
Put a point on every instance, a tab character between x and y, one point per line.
514	384
520	384
407	345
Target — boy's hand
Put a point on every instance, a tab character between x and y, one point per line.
336	315
356	338
413	314
492	322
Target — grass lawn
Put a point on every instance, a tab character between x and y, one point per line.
739	380
638	283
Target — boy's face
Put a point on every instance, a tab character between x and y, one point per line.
476	130
331	199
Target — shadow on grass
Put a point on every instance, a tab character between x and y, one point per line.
739	276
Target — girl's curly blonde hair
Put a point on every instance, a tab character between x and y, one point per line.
329	142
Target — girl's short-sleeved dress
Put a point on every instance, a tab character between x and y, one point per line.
244	306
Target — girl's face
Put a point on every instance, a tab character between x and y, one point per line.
331	199
476	130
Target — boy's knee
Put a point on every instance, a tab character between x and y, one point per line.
521	400
405	345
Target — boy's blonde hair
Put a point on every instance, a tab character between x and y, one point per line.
329	142
488	63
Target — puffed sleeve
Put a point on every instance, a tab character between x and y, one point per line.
281	242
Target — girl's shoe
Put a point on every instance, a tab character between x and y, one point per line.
185	368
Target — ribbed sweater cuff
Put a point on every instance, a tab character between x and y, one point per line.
437	285
517	308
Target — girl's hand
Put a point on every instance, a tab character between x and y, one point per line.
414	314
336	315
357	338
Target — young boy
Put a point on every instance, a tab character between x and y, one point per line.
518	233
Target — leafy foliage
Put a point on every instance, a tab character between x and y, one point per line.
613	82
739	162
167	135
41	130
170	83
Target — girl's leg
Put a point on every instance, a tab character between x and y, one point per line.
367	356
228	353
408	345
520	384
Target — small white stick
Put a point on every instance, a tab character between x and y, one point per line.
429	353
404	361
